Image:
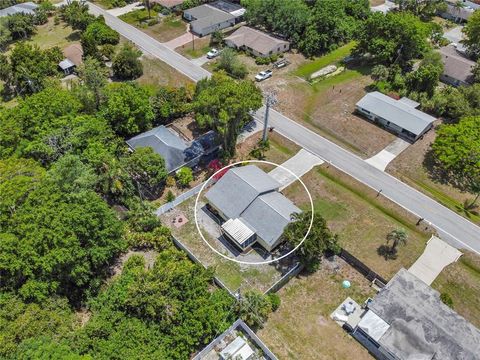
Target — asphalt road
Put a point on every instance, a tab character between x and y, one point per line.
152	46
450	226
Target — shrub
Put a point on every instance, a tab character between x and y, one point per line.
126	65
274	301
262	60
185	176
170	196
170	181
152	22
446	299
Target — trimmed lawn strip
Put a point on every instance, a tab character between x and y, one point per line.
137	17
49	35
331	58
361	219
461	280
202	46
302	329
167	29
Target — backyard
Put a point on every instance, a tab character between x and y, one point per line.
461	281
302	329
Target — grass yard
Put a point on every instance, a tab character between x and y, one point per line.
138	17
461	281
332	58
156	73
50	35
202	46
361	219
412	167
302	329
169	27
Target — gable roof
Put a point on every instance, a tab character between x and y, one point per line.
256	40
238	188
24	8
421	325
456	65
400	113
176	151
207	15
269	214
74	53
168	3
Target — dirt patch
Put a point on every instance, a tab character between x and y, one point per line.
148	255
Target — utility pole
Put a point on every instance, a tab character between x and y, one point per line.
270	100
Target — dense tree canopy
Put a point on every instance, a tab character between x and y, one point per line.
457	148
66	254
422	8
393	38
127	108
224	105
126	65
314	27
165	312
319	240
472	34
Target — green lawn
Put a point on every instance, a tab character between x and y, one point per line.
331	58
461	281
49	35
157	73
361	219
202	46
136	17
168	28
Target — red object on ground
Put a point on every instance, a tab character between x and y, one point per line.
216	165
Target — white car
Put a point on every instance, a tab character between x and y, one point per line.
263	75
213	53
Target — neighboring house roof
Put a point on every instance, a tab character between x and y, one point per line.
256	40
238	188
398	112
175	150
385	7
66	64
74	53
421	325
228	7
24	8
456	65
269	214
207	15
168	3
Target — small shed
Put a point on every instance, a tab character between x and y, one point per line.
73	58
238	349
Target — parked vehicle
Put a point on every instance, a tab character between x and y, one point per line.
263	75
213	53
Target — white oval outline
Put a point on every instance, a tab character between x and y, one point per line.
253	262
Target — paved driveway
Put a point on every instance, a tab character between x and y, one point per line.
384	157
436	256
454	35
125	9
299	164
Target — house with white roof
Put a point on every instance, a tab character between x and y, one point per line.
398	116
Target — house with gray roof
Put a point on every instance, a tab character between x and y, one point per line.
27	8
208	18
398	116
256	42
407	320
254	211
175	150
457	68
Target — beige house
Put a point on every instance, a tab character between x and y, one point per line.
256	42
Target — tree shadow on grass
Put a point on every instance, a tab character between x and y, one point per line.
387	252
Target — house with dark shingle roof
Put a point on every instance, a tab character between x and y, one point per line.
175	150
254	211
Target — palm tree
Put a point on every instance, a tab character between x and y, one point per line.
396	237
459	5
